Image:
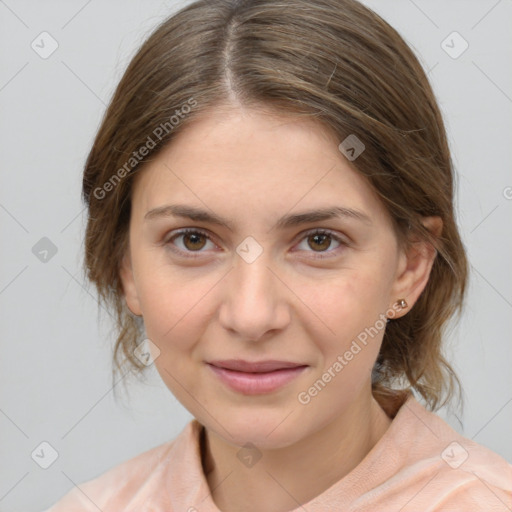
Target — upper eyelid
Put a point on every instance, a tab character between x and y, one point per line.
184	231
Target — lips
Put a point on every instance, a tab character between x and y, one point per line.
255	378
240	365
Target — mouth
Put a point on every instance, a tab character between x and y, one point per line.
254	378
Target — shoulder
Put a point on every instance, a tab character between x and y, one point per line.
134	479
471	476
448	469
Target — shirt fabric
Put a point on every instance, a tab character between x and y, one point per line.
419	464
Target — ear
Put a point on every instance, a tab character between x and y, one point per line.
129	288
414	267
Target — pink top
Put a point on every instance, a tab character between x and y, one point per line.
419	464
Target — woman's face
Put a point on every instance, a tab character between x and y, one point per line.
269	312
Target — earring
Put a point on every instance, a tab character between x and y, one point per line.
402	303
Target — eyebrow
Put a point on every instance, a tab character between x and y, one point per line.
287	221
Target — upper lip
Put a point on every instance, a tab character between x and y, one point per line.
240	365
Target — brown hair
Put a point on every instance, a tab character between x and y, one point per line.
334	61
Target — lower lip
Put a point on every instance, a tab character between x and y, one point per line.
256	383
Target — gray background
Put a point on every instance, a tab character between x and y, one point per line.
55	383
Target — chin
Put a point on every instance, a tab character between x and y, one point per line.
266	430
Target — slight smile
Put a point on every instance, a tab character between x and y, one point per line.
255	378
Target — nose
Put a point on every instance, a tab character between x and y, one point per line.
255	300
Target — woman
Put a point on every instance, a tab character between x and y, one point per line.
270	202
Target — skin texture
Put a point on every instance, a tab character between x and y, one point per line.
252	168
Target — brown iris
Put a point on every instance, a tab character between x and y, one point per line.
320	239
194	241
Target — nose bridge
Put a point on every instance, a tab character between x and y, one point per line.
254	279
253	304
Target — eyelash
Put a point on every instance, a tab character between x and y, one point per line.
197	254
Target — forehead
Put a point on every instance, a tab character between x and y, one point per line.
250	160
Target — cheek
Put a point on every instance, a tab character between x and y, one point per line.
351	307
169	299
348	303
176	308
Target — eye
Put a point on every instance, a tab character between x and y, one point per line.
186	242
189	241
319	241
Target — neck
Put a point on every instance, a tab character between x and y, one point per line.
285	478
